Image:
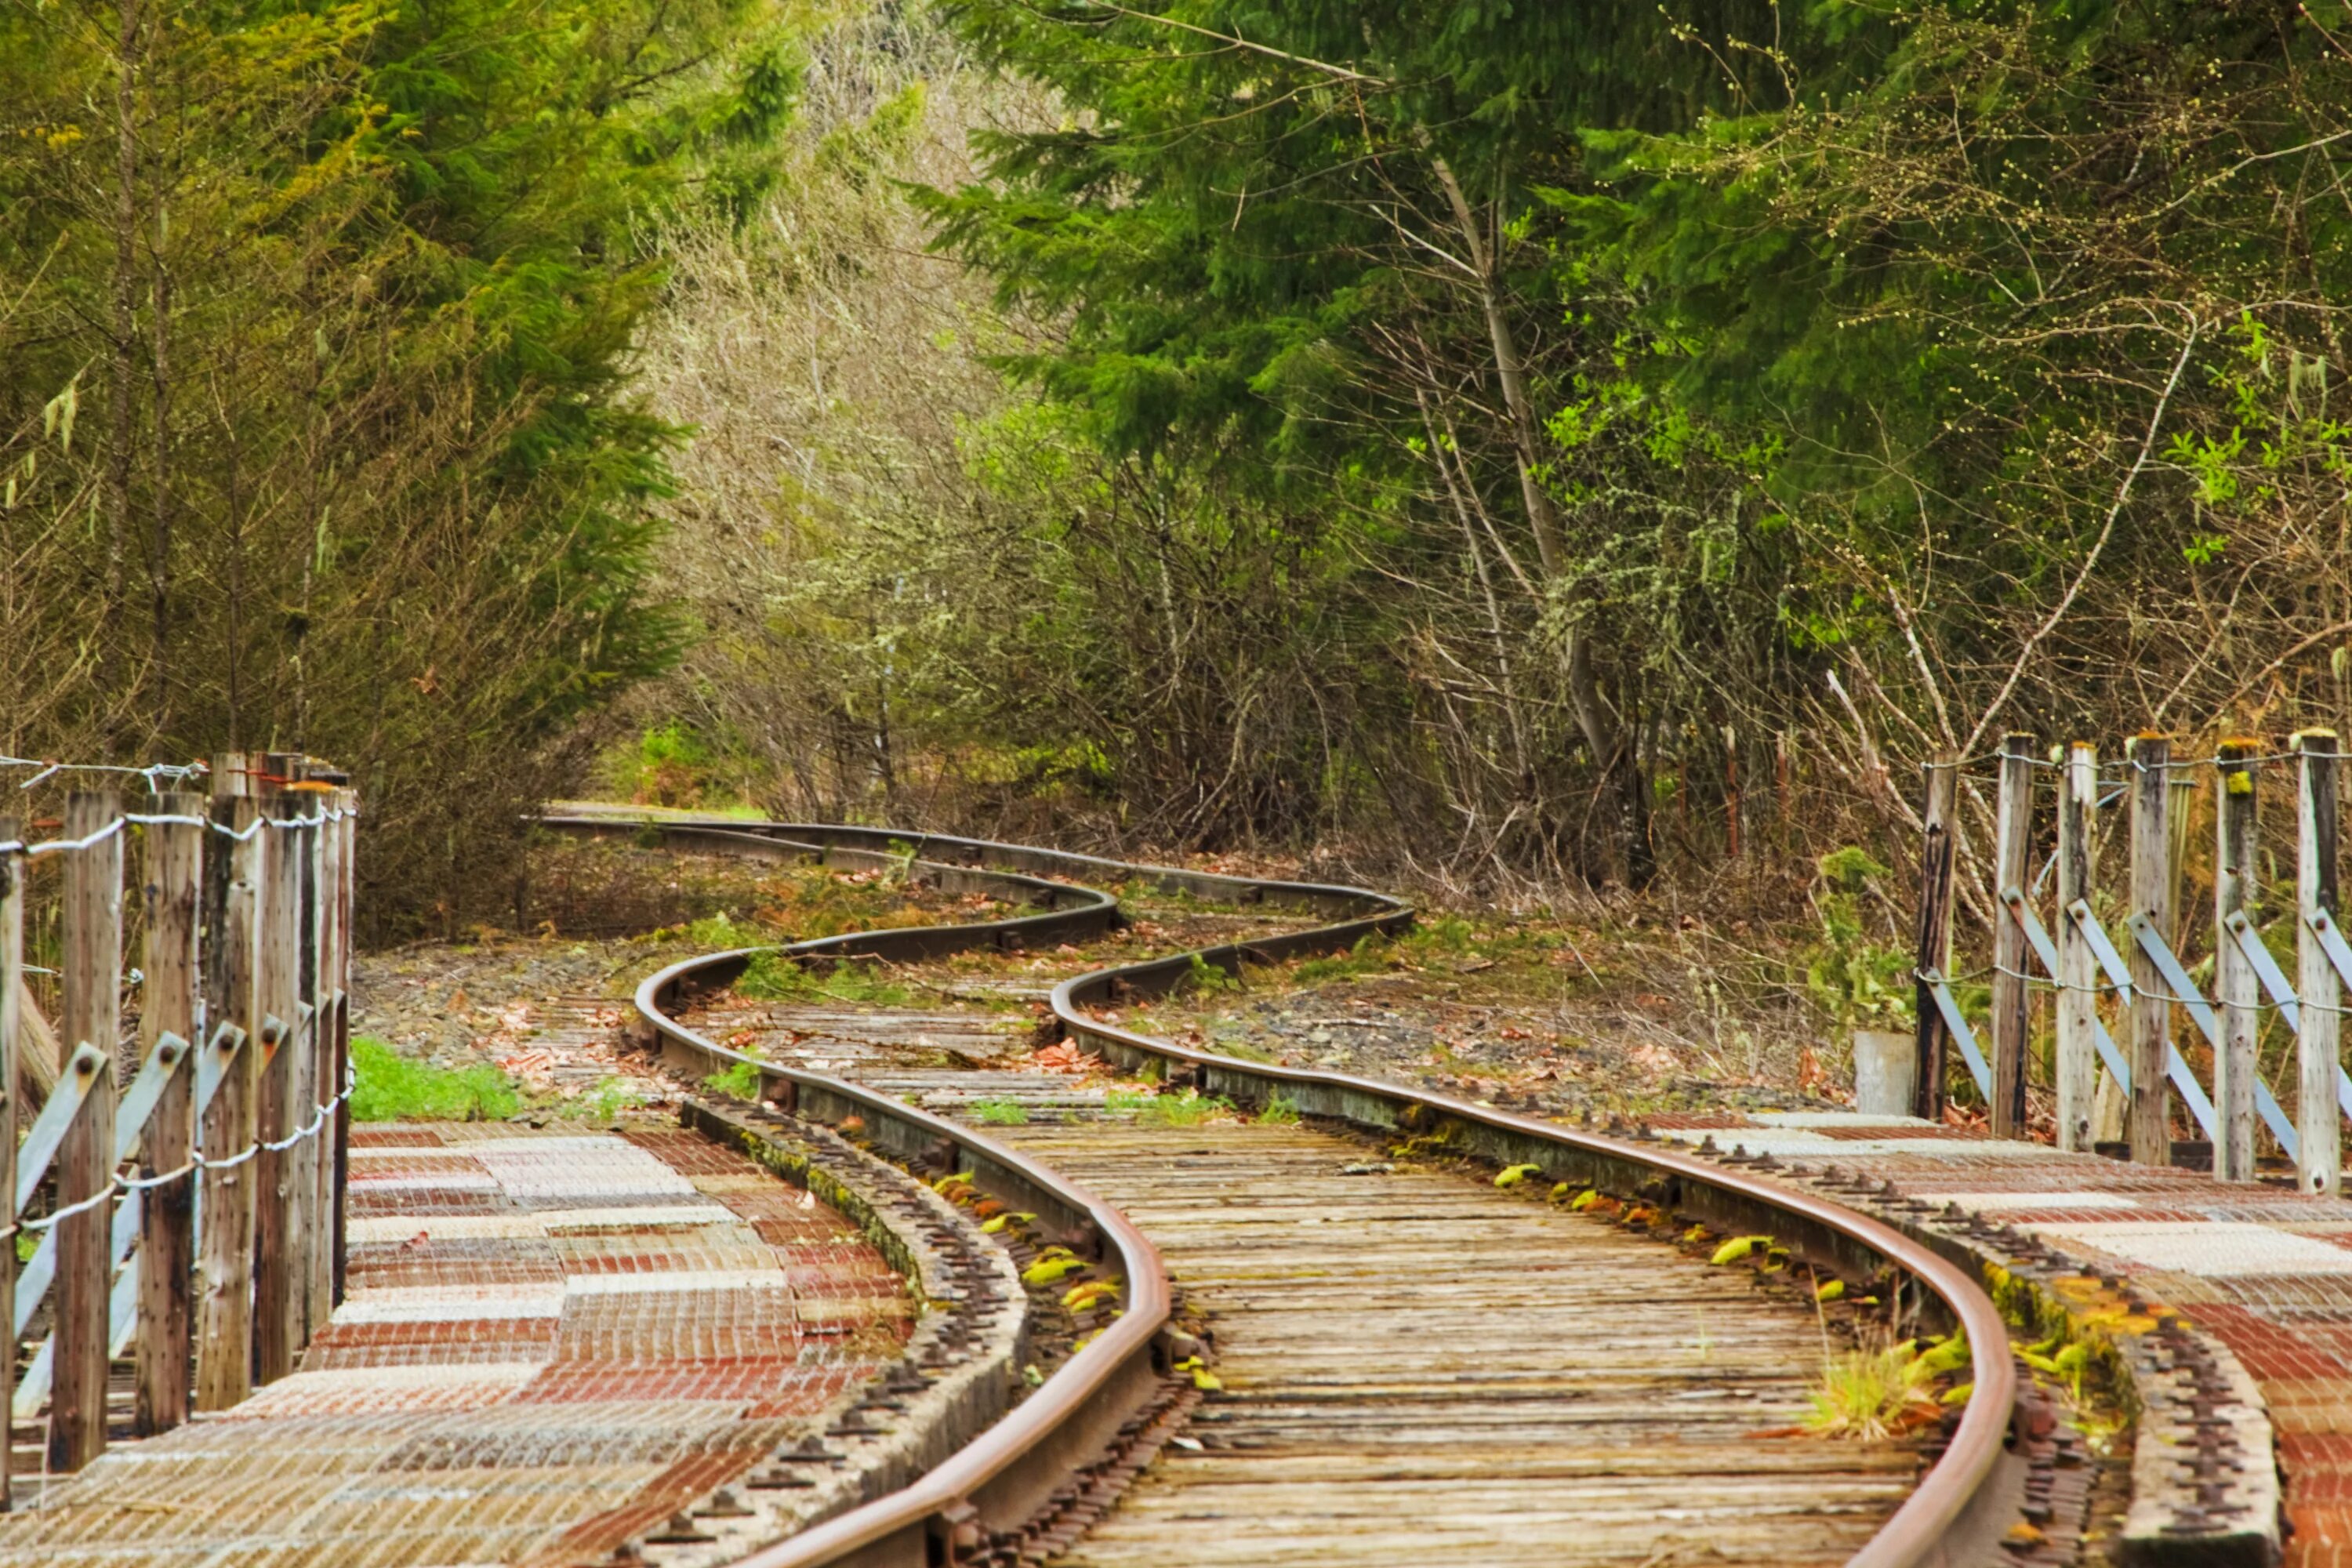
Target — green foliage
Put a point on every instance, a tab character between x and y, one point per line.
771	977
1000	1112
1370	954
739	1081
721	932
605	1102
1210	980
1279	1110
1868	1394
394	1087
668	765
1864	983
370	480
1187	1108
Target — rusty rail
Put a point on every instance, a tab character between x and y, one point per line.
1010	1468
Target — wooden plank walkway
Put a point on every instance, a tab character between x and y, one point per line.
1418	1368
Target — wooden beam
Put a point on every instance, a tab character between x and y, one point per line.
12	992
276	1299
92	1016
2150	1127
2078	966
2319	1164
173	888
2013	826
225	1297
2236	889
1935	928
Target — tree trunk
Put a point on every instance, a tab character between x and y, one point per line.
1607	735
124	327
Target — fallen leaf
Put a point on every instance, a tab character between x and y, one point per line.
1737	1247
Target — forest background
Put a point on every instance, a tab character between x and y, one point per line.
1521	451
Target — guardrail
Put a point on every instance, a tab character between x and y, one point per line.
1000	1479
191	1215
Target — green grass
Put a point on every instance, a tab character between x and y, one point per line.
719	930
1868	1394
772	977
1208	980
1000	1112
605	1102
393	1088
741	1081
1281	1111
1189	1109
1370	953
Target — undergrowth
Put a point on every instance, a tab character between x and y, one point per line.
741	1081
772	977
1878	1392
394	1087
1189	1109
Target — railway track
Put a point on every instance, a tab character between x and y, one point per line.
1413	1365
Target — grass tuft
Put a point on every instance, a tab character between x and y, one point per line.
394	1087
772	977
605	1102
1869	1394
1189	1109
1000	1112
741	1081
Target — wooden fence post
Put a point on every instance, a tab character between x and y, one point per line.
173	886
225	1336
2078	968
2237	888
2151	895
2320	1162
346	889
277	1298
2013	824
1935	937
319	989
91	1016
12	968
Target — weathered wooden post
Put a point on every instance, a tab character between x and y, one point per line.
91	1016
2319	1160
2077	1067
173	886
12	970
1935	937
2012	829
225	1302
346	892
2237	886
319	990
277	1263
2151	896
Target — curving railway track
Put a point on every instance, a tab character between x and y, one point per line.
1414	1365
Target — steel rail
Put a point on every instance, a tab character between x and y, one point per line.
1020	1457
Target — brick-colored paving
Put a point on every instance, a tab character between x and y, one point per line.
2261	1269
551	1341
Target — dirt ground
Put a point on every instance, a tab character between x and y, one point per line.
1532	1014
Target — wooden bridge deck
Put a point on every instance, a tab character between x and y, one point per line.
553	1341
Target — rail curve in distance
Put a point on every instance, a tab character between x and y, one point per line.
1009	1470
